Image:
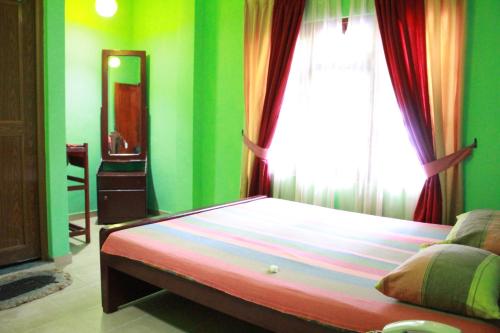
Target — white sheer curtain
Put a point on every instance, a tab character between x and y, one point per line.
340	140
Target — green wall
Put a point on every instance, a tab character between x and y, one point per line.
196	103
481	105
55	151
165	29
195	93
205	63
87	34
230	102
218	101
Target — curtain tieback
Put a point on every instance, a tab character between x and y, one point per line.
256	149
443	163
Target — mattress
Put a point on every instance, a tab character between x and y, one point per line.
316	263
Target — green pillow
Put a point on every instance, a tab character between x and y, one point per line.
449	277
478	228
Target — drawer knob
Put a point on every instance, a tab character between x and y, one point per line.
105	197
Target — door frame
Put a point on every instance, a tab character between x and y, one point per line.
40	110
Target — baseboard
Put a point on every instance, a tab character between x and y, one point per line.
63	261
156	212
79	216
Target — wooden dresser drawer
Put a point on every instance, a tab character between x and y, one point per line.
121	205
127	182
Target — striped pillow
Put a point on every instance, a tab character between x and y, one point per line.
478	228
454	278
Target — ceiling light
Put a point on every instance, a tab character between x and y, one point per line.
106	8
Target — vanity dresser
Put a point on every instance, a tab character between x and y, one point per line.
122	174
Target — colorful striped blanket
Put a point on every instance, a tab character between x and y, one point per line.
316	263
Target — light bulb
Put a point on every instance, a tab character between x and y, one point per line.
106	8
114	62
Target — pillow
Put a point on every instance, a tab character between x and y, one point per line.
478	228
449	277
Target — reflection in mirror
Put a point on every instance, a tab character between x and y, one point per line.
124	105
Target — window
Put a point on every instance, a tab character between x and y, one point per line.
340	139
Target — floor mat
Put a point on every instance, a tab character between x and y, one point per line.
22	287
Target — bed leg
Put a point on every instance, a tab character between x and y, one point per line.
118	288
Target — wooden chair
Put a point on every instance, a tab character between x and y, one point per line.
77	155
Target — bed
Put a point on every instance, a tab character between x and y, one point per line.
281	265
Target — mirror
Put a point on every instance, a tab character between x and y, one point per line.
123	118
124	96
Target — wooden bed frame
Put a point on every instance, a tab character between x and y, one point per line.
124	280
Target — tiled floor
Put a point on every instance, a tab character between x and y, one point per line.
78	307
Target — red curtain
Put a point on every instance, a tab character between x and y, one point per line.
287	16
402	27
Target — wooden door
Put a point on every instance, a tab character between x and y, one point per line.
128	116
21	124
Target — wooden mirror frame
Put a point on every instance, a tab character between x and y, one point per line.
106	156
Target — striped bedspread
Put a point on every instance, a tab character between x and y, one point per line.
327	261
